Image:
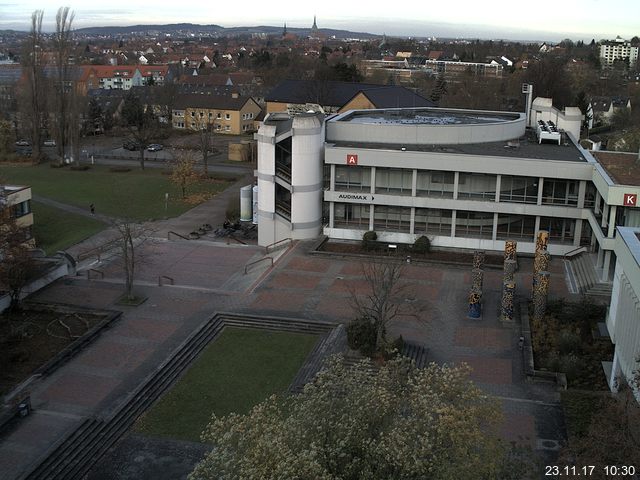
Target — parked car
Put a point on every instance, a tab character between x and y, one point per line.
154	147
131	145
49	143
22	143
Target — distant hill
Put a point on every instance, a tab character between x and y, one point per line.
179	29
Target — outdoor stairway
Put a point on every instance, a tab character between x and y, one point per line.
74	456
332	343
585	276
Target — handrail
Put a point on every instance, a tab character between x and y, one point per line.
257	261
575	251
266	249
97	250
95	271
176	234
160	277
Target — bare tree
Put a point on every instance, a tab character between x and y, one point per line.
382	302
34	98
64	88
205	130
131	235
142	123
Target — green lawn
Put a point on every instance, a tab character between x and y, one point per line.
238	370
56	229
137	194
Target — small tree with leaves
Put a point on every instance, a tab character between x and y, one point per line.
361	423
184	173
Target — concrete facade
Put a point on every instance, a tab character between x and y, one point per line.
623	320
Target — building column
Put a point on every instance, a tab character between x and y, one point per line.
412	223
605	266
331	215
498	186
605	215
414	183
373	180
540	186
577	232
494	233
332	181
616	372
453	223
536	228
612	221
596	204
456	179
371	213
600	258
582	191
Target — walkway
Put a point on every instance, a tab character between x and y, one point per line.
209	277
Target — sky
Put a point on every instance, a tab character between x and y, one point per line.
506	19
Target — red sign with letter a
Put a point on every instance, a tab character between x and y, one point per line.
630	199
352	159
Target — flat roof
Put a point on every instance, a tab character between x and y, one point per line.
622	167
526	147
426	116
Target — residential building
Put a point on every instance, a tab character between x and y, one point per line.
296	96
18	200
230	114
618	49
124	77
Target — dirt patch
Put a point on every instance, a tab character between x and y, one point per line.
30	338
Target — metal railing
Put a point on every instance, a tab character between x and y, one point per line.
279	242
176	234
574	252
99	272
246	267
160	277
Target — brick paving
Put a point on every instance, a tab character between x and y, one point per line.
209	278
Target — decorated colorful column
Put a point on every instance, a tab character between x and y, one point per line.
475	307
509	271
542	241
476	279
508	293
510	247
478	259
540	264
540	293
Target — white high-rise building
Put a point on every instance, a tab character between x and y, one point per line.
618	49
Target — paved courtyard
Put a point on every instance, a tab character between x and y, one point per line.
209	277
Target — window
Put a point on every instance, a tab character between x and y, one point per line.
251	115
210	115
429	220
193	124
474	224
227	116
193	114
201	114
351	215
21	209
560	192
519	189
560	230
353	178
394	181
477	186
218	127
434	184
391	219
227	128
219	115
516	227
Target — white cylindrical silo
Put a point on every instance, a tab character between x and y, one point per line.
255	205
246	203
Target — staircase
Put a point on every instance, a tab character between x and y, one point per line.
586	280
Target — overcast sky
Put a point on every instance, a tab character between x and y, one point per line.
509	19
